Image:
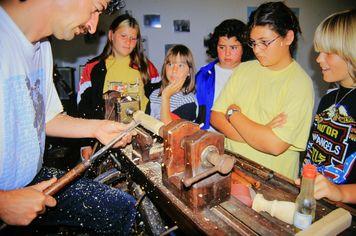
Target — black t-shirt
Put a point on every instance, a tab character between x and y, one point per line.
332	141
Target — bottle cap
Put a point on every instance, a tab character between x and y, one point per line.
309	171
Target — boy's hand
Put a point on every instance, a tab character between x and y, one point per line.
325	188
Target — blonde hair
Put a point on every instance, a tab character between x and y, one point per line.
337	34
137	55
187	56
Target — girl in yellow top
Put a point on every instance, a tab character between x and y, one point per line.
263	94
121	66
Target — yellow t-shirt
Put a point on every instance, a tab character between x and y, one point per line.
262	94
121	77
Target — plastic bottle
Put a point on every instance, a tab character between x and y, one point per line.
305	202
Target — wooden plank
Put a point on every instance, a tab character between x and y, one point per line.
230	217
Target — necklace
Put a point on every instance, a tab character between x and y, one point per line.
336	104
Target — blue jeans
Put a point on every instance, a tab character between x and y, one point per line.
89	205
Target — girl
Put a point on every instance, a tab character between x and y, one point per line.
332	142
175	99
272	87
121	66
227	46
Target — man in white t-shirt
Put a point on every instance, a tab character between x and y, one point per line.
30	109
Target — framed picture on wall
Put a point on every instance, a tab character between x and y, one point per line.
63	78
144	40
80	72
167	47
128	12
152	21
181	25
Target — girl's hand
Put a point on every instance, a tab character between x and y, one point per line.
325	188
278	121
174	87
232	106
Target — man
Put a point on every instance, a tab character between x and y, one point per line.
30	108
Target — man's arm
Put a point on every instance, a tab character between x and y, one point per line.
69	127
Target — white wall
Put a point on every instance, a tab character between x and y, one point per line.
204	15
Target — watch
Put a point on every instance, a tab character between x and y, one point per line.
230	112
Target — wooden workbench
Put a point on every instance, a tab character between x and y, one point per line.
230	217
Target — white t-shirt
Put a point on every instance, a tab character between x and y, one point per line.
221	77
28	100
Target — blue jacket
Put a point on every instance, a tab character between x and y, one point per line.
205	92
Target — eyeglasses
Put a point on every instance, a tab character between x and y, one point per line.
262	44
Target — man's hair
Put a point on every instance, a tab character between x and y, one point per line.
337	34
114	5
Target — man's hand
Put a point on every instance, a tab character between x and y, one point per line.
21	206
108	130
278	121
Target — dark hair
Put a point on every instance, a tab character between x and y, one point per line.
279	18
137	56
114	5
185	54
229	28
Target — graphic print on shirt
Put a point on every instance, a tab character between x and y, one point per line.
126	89
329	147
36	92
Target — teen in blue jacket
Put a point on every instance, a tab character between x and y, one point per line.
227	46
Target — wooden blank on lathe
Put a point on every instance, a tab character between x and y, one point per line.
332	224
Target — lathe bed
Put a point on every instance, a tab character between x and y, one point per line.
187	175
230	217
